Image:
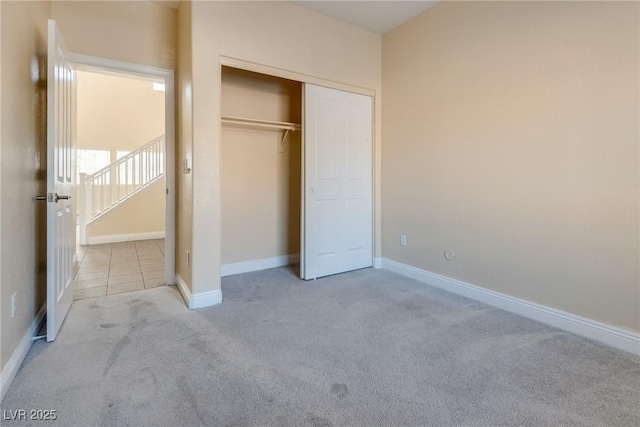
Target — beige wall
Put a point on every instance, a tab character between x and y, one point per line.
260	186
140	32
184	183
511	137
143	213
276	34
118	113
23	116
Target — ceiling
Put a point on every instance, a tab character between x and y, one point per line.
376	16
373	15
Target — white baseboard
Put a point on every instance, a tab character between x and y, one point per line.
130	237
258	264
201	300
13	365
611	335
377	263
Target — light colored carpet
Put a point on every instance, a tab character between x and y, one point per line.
365	348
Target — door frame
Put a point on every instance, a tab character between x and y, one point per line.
94	63
228	61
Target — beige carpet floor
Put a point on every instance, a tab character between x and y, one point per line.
367	348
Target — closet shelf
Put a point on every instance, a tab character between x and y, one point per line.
269	124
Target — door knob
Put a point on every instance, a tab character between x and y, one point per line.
53	198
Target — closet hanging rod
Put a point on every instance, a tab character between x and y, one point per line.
259	123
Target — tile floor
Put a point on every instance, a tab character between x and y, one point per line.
116	268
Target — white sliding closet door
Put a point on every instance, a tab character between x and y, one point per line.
337	226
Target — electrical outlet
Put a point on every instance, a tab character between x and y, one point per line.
403	240
14	305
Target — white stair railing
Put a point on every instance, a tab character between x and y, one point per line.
112	185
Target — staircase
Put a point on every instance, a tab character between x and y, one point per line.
114	184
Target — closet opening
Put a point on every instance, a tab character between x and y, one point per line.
297	168
261	168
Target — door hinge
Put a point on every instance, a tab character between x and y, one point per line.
167	191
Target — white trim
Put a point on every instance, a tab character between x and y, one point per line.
13	365
611	335
95	63
241	64
201	300
377	263
205	299
129	237
170	179
303	185
258	264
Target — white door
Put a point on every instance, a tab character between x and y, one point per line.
337	230
60	169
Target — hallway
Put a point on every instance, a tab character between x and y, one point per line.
117	268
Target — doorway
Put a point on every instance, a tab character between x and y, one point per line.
124	209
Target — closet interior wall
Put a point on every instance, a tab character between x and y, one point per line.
260	183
